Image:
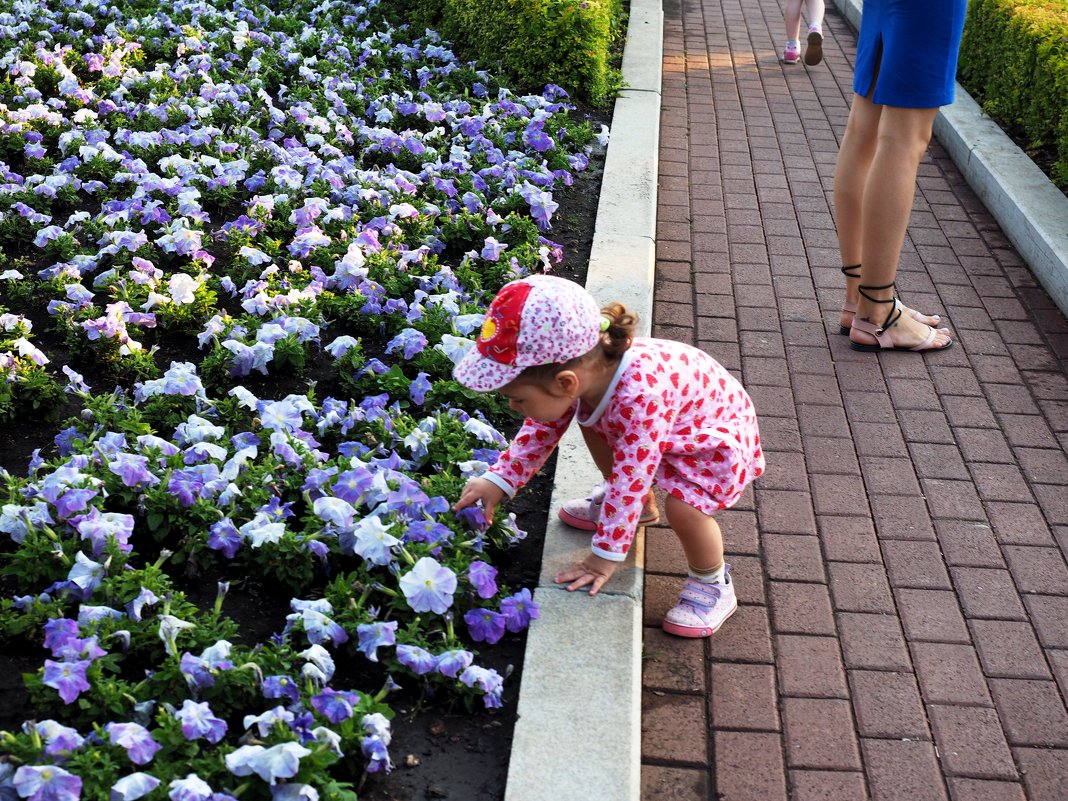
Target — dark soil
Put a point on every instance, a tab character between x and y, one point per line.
441	750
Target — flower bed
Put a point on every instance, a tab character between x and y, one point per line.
275	232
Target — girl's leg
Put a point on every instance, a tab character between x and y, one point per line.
599	450
889	189
852	174
816	9
698	533
792	17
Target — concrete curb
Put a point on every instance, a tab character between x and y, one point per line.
578	732
1031	211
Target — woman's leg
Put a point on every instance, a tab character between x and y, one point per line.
852	174
889	189
699	534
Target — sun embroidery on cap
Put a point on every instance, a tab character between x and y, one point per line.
500	331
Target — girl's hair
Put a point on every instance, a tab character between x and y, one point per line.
617	332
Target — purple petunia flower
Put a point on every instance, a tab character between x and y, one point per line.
429	586
483	578
410	341
101	527
68	678
487	680
224	536
199	671
419	388
199	721
270	764
376	753
133	470
136	739
60	741
485	625
519	610
281	687
374	635
335	706
47	783
191	788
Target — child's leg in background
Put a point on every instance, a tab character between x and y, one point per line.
700	537
599	450
791	54
816	9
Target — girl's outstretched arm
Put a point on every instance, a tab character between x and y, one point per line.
480	489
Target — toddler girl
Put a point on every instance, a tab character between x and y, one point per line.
652	412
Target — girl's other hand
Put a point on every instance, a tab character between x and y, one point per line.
593	570
480	489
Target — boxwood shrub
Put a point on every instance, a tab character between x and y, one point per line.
1014	60
535	42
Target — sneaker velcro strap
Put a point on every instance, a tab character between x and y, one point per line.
705	595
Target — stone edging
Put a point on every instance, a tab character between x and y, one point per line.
578	733
1031	211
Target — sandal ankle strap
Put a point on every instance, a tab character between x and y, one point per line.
895	311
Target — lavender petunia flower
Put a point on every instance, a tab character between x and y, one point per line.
373	541
136	739
450	663
133	786
191	788
335	706
487	680
60	741
376	753
416	659
419	388
68	678
47	783
374	635
409	341
270	764
223	536
281	687
483	578
429	586
199	721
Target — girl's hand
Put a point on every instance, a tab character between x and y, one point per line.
592	570
480	489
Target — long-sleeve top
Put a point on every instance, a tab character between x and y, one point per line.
673	417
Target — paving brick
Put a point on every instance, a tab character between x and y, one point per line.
968	544
878	439
785	471
987	593
749	766
1045	773
955	500
744	697
888	705
800	608
791	557
848	539
872	641
1027	431
983	445
887	475
915	564
746	637
837	494
1037	570
1049	614
830	456
739	532
869	407
810	667
938	461
860	588
827	785
903	771
1032	712
899	517
785	512
661	593
970	742
924	425
984	790
820	734
1044	465
1008	649
1019	524
1053	502
949	673
674	728
674	784
931	616
672	663
968	412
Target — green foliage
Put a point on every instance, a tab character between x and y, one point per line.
1014	60
535	42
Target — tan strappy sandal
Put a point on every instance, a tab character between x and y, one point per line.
880	332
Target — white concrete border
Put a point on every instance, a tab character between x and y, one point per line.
578	734
1031	211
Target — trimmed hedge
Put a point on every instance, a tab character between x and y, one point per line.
1014	60
535	42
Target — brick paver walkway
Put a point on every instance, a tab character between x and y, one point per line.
903	628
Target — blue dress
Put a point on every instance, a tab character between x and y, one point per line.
908	49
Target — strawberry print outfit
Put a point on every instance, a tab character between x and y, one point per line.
674	417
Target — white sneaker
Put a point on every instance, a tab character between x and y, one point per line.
583	513
702	608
